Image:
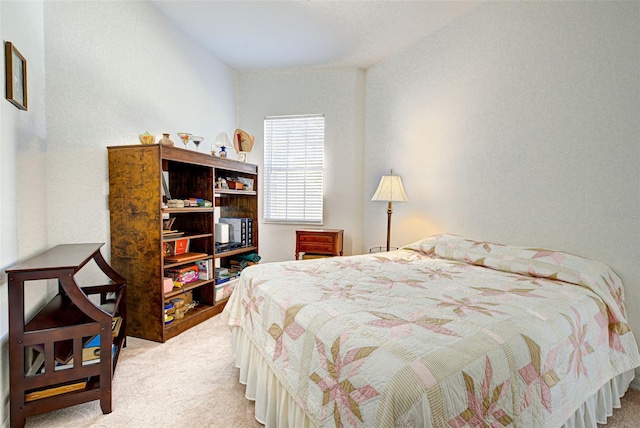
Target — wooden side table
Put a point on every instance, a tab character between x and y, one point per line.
319	241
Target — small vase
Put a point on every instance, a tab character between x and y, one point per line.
165	141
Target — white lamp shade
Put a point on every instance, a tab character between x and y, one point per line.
222	139
390	189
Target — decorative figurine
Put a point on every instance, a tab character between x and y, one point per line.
242	141
146	138
165	140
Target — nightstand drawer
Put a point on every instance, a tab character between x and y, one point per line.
317	238
316	247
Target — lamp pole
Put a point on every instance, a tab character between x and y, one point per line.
389	211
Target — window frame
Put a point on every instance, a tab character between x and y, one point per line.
309	146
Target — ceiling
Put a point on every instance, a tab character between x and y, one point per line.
249	35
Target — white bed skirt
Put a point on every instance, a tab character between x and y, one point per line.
275	407
600	406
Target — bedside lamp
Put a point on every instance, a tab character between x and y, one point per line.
390	190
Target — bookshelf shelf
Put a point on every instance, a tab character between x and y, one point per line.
189	210
194	317
190	261
177	292
187	235
237	251
236	192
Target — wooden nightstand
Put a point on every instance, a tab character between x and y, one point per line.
319	241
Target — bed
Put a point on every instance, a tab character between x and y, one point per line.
445	332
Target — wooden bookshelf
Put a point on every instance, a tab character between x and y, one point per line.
136	196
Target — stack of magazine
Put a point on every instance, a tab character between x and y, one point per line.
64	355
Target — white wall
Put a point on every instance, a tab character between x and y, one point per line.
22	159
114	70
338	93
518	123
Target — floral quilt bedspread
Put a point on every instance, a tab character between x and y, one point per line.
446	332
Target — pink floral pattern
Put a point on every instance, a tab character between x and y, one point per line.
400	327
485	334
507	291
337	370
538	377
484	405
466	306
579	345
288	327
251	302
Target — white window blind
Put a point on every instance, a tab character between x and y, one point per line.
293	168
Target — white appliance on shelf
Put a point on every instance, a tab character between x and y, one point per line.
222	233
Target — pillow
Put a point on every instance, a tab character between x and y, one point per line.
536	262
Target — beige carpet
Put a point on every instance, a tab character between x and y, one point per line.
191	381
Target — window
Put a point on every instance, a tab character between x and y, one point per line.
293	168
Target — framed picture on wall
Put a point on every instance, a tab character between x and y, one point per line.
16	75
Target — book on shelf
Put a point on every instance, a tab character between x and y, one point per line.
55	390
184	257
225	275
221	248
205	269
182	275
90	352
90	356
166	234
116	323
